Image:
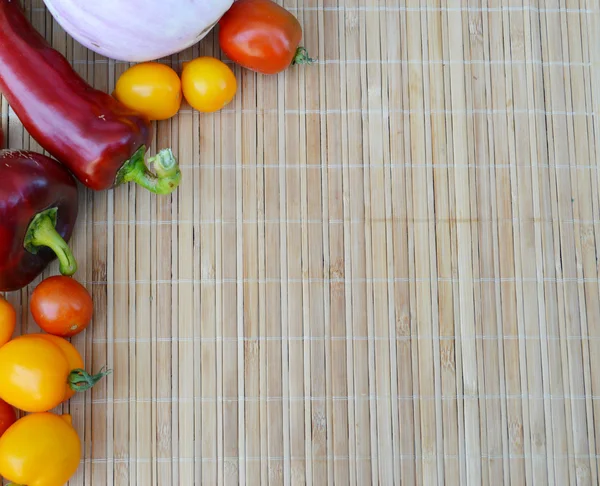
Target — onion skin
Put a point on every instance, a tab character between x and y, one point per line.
137	30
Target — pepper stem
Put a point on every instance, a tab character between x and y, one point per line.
164	180
80	380
302	57
42	232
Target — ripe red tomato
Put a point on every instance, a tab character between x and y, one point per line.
61	306
262	36
8	417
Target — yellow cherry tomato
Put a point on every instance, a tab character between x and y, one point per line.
8	321
73	358
41	449
39	372
152	89
208	84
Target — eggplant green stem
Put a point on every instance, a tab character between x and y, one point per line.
42	232
302	57
162	181
80	380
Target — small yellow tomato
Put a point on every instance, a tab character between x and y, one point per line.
208	84
34	373
74	359
41	449
152	89
39	372
8	321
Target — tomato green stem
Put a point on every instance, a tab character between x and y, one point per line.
164	180
80	380
42	233
302	57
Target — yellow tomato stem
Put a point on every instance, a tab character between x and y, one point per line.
80	380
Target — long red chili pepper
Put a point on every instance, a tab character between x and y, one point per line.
98	139
38	211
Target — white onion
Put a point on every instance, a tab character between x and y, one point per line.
137	30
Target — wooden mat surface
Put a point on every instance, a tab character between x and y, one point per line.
381	269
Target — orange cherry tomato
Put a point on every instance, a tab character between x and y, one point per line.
40	449
61	306
8	416
262	36
74	359
8	321
150	88
208	84
38	375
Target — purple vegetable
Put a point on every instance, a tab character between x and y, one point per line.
137	30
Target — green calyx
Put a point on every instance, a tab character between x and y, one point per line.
162	181
302	57
80	380
42	233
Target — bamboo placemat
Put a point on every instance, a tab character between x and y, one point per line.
381	269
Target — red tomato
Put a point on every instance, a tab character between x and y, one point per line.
7	417
61	306
262	36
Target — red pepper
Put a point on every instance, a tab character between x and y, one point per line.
38	211
97	138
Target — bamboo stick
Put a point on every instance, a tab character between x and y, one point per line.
210	241
520	189
334	243
252	419
392	94
558	438
376	219
569	319
464	245
272	285
293	249
583	230
590	38
422	265
360	369
448	465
